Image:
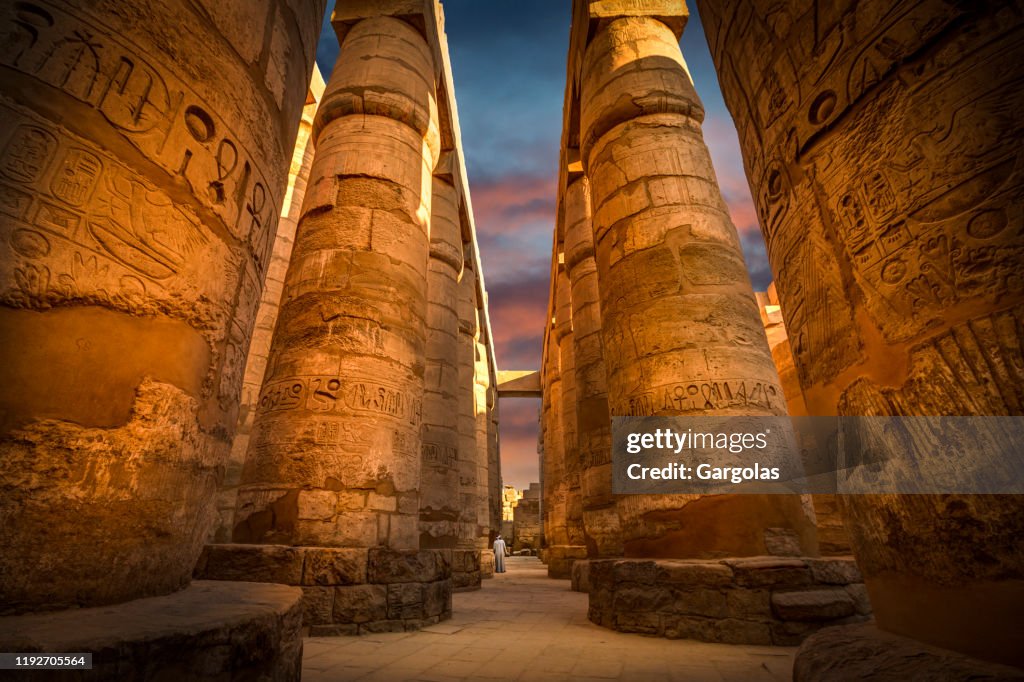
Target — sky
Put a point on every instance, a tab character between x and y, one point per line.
508	64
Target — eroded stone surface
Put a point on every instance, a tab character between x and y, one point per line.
865	652
348	591
335	453
883	151
676	303
757	600
140	206
209	630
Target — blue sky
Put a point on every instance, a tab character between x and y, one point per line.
508	62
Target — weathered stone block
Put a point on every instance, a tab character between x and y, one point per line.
861	602
405	566
835	570
437	598
334	566
863	652
209	630
813	605
405	600
633	571
648	623
581	576
750	604
360	603
251	563
641	598
317	606
776	572
706	602
694	573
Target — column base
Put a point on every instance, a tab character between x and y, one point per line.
864	652
209	630
753	600
346	591
465	565
580	575
560	560
487	563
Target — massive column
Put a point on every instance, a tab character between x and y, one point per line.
332	475
266	314
335	453
139	205
483	426
466	558
561	556
552	465
681	331
439	480
883	148
603	535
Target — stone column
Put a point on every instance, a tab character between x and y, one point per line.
139	205
494	486
561	556
335	454
482	420
553	470
681	331
467	554
603	534
333	468
439	480
266	315
883	149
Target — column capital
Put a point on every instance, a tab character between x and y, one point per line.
673	13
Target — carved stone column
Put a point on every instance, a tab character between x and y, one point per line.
466	404
333	468
266	314
561	556
554	508
884	149
481	396
139	206
600	516
681	331
439	480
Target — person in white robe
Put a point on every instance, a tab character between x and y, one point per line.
500	552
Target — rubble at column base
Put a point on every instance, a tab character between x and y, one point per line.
209	630
346	591
864	652
560	559
753	600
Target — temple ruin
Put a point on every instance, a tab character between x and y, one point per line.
250	389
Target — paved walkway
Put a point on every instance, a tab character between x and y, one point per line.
524	626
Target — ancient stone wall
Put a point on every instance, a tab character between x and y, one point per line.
144	162
881	142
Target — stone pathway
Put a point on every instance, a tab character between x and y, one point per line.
524	626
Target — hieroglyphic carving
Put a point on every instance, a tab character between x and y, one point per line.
335	393
153	109
82	226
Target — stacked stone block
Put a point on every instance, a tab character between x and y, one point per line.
755	600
